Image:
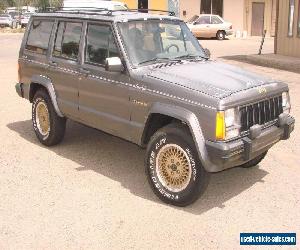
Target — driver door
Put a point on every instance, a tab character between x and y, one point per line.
103	96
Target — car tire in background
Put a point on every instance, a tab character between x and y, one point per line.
221	35
173	168
48	126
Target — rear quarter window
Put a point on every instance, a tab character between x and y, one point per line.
39	35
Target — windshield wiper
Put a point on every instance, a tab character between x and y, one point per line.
190	56
156	59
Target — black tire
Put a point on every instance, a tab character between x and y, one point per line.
221	35
175	135
255	161
56	125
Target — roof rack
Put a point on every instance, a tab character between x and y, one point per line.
97	11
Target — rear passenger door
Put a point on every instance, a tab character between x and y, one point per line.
216	25
64	65
33	59
103	95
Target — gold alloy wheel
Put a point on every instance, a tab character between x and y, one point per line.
173	167
42	118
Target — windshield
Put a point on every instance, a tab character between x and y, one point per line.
151	41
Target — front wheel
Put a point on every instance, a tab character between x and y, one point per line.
173	168
48	126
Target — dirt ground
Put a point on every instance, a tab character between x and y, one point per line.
90	192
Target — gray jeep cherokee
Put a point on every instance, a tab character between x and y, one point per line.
146	79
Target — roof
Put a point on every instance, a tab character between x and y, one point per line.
114	16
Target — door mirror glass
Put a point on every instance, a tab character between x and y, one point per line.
114	64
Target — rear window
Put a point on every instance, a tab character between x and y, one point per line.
67	40
39	35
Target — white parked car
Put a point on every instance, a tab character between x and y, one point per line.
110	5
210	26
6	20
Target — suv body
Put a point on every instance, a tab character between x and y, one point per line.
194	115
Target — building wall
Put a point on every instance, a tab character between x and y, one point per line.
152	4
191	7
289	46
268	15
238	12
234	11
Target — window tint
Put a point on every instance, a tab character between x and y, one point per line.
204	20
39	35
67	40
100	44
215	20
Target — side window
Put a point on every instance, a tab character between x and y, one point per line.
39	35
215	20
291	17
204	20
67	40
100	44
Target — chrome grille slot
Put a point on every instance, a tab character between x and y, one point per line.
260	112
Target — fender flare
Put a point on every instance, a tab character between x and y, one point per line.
192	121
47	83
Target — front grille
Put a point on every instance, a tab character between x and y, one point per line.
260	112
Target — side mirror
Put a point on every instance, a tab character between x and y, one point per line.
114	64
207	52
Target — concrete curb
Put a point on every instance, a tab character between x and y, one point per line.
270	60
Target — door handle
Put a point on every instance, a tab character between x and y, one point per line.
84	71
52	63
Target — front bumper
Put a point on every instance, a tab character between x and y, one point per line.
226	155
229	32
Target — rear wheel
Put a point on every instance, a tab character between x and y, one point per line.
255	161
174	170
221	35
48	126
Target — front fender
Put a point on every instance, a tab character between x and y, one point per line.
47	83
192	121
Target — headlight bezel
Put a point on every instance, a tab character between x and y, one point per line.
286	103
228	124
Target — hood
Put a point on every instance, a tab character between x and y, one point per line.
209	77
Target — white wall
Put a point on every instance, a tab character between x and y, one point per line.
234	11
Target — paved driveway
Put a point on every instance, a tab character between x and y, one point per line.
91	191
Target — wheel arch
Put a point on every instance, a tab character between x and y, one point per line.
178	114
40	81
